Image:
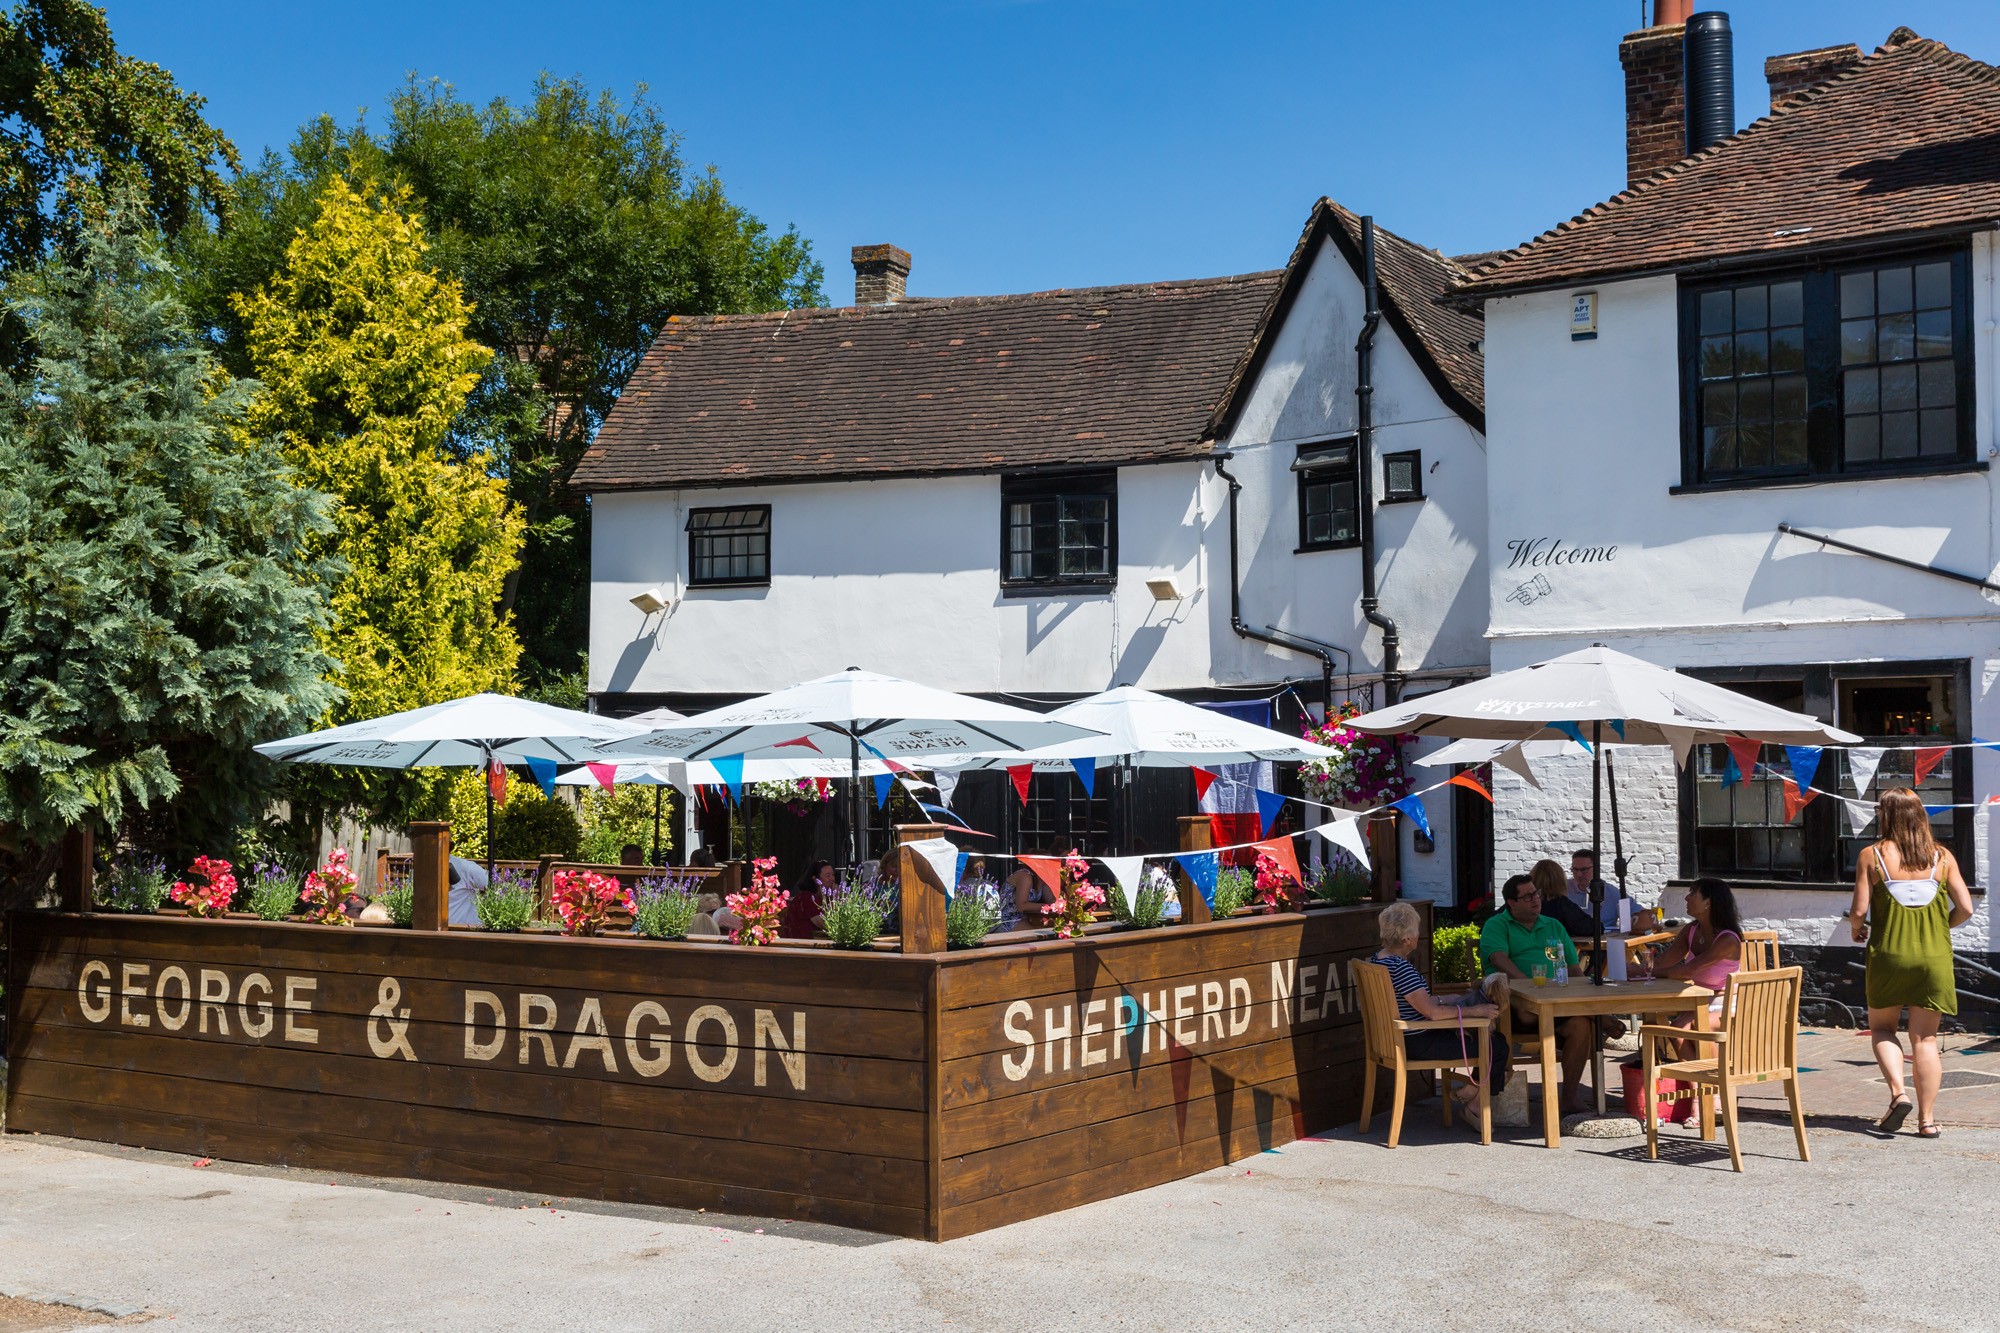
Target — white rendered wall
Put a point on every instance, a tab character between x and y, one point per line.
1585	446
1429	554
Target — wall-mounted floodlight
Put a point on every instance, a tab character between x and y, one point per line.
1163	590
653	600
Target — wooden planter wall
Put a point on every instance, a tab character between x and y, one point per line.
924	1094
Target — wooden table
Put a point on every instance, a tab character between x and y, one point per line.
1579	999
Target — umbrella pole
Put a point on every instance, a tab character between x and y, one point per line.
855	839
1617	837
1596	895
658	793
486	780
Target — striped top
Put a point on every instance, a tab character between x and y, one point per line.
1403	975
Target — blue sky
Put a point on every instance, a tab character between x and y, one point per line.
1017	145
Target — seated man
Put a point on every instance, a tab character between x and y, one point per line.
1583	869
1514	942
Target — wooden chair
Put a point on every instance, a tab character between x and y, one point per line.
1636	944
1383	1034
1760	951
1758	1043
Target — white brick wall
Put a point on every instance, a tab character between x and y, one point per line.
1553	822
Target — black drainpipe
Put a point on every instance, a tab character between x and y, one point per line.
1364	394
1236	599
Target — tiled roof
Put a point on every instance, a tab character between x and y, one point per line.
1411	282
1904	143
1090	376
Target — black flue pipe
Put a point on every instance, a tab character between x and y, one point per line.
1364	432
1709	75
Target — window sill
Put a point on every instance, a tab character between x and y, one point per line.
1028	590
729	583
1828	478
1401	500
1335	546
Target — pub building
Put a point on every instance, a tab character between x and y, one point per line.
1771	336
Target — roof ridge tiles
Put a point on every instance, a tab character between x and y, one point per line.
1903	46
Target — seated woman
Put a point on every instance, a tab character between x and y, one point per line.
1031	898
1706	952
804	911
1414	1002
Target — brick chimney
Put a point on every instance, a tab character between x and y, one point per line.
880	274
1793	74
1655	94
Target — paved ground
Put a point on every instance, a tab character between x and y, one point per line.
1336	1233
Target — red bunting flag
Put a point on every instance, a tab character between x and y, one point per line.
496	782
1796	800
803	740
606	774
1467	780
820	786
1744	751
1021	773
1287	857
1202	779
1928	758
1048	869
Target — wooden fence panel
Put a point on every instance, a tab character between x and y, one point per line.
930	1095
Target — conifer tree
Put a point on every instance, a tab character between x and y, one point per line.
365	360
158	594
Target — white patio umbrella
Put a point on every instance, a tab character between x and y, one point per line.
700	773
1141	729
1596	695
894	719
461	733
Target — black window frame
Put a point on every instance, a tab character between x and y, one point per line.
1825	461
1035	488
1318	465
1392	496
1823	820
696	580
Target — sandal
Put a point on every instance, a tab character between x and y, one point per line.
1899	1111
1930	1129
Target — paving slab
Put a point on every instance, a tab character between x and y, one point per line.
1332	1233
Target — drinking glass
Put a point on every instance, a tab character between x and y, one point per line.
1541	974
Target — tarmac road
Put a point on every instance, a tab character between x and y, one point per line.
1334	1233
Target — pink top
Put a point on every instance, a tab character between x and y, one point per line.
1713	975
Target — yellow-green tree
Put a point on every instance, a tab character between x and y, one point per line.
363	353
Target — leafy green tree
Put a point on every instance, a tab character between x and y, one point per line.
364	356
84	122
159	590
577	228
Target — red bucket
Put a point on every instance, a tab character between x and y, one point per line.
1676	1099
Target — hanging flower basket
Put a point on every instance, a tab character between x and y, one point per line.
1367	771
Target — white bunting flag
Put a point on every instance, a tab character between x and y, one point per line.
1516	759
942	856
1347	833
1858	814
915	785
947	783
1682	739
1127	870
1861	766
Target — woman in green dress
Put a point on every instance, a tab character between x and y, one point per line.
1908	894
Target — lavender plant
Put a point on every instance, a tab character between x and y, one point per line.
855	911
136	882
665	906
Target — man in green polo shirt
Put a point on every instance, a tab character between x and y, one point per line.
1516	941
